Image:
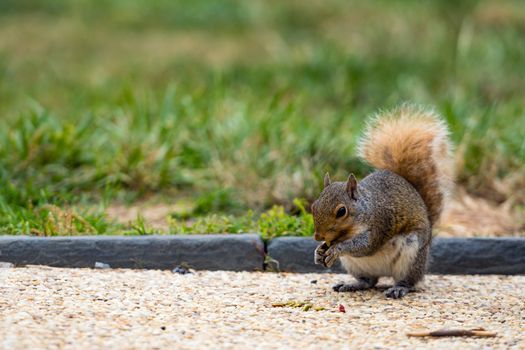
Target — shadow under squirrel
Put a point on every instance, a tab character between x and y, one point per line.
382	226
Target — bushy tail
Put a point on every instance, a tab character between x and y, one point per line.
413	143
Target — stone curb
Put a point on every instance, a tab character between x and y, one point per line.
457	256
505	256
242	252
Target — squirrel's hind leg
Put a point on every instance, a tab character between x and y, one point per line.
362	283
414	270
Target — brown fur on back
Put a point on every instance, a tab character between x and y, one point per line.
413	143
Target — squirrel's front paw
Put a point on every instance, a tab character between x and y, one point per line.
332	254
320	254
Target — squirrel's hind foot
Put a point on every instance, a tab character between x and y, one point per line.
397	291
362	283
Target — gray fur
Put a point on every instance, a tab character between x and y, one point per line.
387	222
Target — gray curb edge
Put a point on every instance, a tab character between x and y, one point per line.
244	252
505	256
202	252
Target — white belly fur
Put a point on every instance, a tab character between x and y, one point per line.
382	263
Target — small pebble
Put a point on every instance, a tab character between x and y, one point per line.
181	270
101	265
313	281
341	308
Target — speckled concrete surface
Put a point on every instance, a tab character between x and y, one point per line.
42	307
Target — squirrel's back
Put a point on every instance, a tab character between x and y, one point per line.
413	143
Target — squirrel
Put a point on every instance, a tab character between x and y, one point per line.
382	226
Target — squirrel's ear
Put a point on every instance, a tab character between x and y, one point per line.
351	186
327	180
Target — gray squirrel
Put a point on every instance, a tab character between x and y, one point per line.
382	226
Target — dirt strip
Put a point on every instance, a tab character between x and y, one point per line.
52	308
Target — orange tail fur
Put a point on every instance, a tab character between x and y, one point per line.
413	143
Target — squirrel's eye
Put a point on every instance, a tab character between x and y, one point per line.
340	212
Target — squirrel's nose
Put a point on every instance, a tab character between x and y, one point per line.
317	236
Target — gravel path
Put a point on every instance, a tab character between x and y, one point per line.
42	307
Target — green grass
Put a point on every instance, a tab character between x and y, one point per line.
240	105
272	223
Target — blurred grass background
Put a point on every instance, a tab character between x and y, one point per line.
228	106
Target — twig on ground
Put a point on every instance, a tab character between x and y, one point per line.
475	332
